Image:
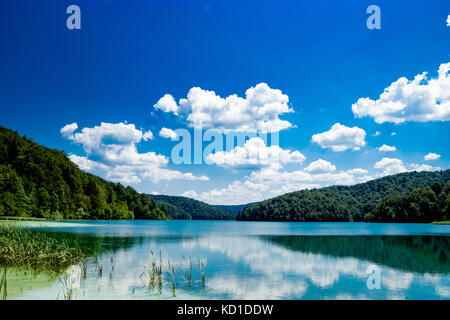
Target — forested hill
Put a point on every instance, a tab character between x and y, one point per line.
234	209
344	203
426	204
197	210
36	181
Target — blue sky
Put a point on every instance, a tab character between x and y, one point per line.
317	59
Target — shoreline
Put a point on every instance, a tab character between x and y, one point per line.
34	219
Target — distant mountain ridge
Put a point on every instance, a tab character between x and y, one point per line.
234	209
344	203
180	207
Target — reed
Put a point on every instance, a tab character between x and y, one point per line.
3	286
172	276
68	292
188	273
201	267
154	272
112	267
157	275
38	250
98	267
84	267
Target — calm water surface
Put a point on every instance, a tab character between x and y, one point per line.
252	260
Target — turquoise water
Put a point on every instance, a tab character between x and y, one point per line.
256	260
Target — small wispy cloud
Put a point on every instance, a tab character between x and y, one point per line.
376	134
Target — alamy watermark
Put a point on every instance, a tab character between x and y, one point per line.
374	279
73	22
196	148
374	20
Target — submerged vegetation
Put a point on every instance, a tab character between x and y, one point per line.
36	181
72	260
156	275
38	250
3	286
351	203
162	276
33	252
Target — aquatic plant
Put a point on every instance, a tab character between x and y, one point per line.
39	250
112	266
154	272
188	273
98	267
68	291
172	276
3	286
84	267
201	267
157	275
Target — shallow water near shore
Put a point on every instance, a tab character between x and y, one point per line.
249	260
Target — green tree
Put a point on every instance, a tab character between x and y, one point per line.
41	182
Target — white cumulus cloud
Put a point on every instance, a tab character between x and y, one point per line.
358	171
259	110
420	100
236	192
386	148
268	182
390	166
320	166
99	138
424	167
85	164
68	130
341	138
255	152
432	156
114	148
147	136
168	133
190	194
167	104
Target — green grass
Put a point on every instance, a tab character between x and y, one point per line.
442	222
39	250
7	218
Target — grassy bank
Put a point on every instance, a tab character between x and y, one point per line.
6	218
442	222
38	250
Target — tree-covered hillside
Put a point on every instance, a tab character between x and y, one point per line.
198	210
339	203
174	212
39	182
418	205
234	209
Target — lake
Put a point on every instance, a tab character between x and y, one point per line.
249	260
